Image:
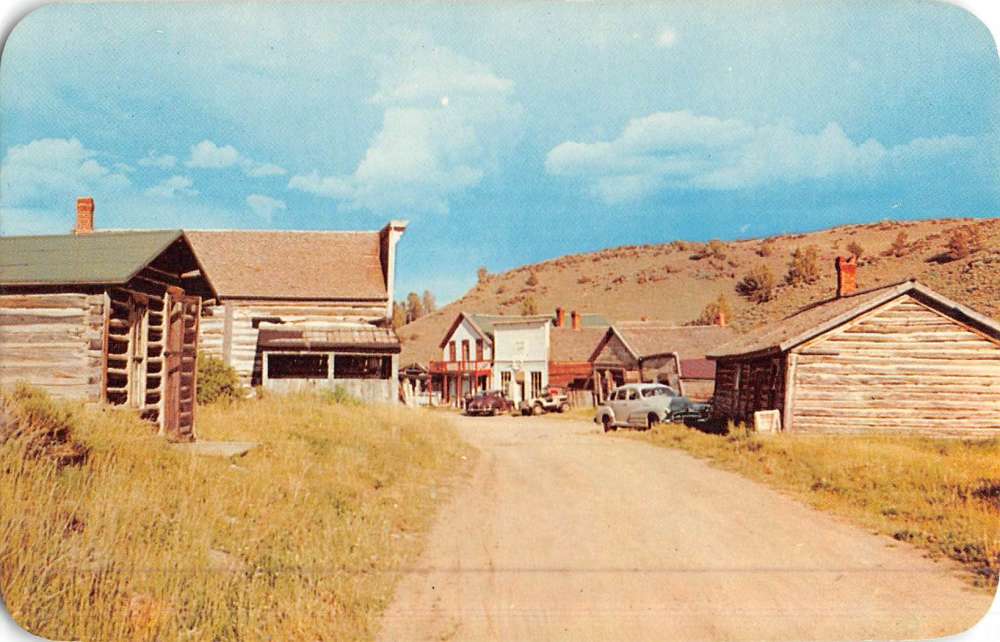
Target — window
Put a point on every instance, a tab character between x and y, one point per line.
353	366
297	366
619	395
505	381
536	384
658	392
631	394
451	351
479	349
465	350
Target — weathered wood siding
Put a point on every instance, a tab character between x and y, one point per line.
53	341
661	369
697	389
745	386
238	348
904	367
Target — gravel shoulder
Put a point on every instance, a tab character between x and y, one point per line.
563	533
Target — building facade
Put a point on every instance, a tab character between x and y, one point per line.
300	310
901	358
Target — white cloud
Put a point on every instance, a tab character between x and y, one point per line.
208	155
667	38
162	161
680	150
264	169
54	171
171	187
447	121
265	206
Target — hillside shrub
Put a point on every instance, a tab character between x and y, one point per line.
710	313
804	266
758	285
900	245
766	248
856	250
529	307
963	242
532	280
216	380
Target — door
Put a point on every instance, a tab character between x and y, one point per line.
180	357
138	337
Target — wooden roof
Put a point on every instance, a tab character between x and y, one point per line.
364	337
825	315
569	345
107	258
293	265
648	338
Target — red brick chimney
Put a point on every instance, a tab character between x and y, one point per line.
720	318
560	317
847	275
84	215
575	316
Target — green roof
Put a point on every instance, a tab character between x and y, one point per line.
105	258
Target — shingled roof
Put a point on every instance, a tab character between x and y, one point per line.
825	315
344	337
569	345
647	338
109	258
292	265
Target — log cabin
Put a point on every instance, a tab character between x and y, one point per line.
300	310
900	358
651	351
110	317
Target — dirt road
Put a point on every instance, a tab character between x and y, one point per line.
563	533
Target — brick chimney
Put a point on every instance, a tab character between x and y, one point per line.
575	316
847	275
84	215
560	317
720	318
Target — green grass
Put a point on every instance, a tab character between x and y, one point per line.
942	495
301	539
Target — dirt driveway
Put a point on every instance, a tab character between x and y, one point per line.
563	533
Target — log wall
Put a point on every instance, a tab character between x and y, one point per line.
53	341
745	386
903	368
230	335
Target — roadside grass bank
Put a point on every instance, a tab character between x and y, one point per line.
942	495
302	538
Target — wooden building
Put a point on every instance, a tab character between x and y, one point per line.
652	351
109	317
521	355
900	358
324	298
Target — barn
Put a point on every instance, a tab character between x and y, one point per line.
900	358
110	317
300	310
633	351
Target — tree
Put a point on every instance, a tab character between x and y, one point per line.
398	315
532	280
529	307
482	274
430	303
856	250
804	267
710	314
414	307
899	246
758	285
963	242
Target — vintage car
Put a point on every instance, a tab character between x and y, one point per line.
489	403
643	405
554	400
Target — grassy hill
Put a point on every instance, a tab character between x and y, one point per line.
674	281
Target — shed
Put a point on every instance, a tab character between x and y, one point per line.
658	351
109	317
306	282
899	358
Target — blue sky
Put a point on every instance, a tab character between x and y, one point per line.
506	133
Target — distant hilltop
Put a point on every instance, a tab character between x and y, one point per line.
675	281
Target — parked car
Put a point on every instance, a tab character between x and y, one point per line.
643	405
554	400
490	403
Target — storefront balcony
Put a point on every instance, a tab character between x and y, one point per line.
461	367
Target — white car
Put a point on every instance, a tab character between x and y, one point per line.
643	405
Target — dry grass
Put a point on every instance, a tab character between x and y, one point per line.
300	539
940	494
